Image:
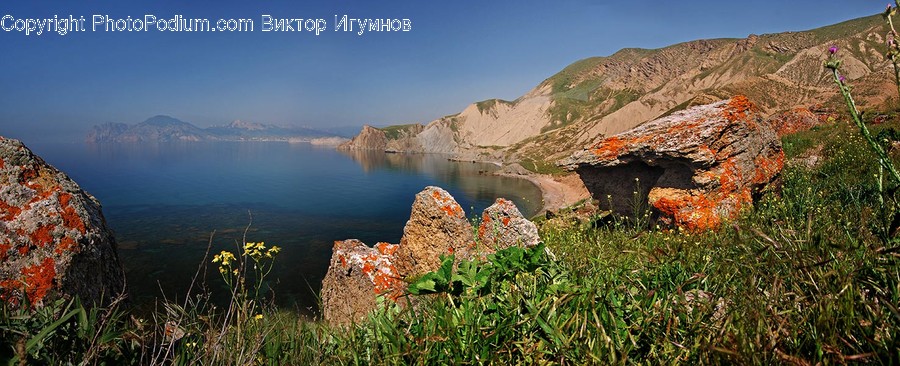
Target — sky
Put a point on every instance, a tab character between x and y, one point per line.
455	53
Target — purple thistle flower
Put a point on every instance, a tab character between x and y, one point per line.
842	79
833	49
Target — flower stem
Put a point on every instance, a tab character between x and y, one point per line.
883	157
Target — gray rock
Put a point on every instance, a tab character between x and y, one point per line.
356	275
503	226
54	241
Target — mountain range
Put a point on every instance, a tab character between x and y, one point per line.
167	129
602	96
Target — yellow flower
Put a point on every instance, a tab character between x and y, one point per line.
272	251
258	317
225	257
254	250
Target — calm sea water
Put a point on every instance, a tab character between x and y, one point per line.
164	201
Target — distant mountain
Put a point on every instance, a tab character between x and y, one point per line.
603	96
167	129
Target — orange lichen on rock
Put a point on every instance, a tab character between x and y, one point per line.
70	217
51	227
730	177
694	213
448	204
4	248
375	263
766	167
42	236
386	248
485	222
702	164
737	108
66	244
39	279
609	148
8	212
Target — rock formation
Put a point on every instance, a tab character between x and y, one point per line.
437	226
54	241
503	226
369	138
695	168
356	275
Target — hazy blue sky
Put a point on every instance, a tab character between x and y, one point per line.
457	52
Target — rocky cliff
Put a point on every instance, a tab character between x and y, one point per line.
603	96
54	241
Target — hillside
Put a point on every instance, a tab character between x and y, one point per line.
606	95
167	129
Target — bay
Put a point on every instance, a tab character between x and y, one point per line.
167	201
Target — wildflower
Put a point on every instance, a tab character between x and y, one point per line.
225	257
842	79
272	251
258	317
833	49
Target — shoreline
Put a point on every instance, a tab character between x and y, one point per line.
557	192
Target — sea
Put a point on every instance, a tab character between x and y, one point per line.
171	205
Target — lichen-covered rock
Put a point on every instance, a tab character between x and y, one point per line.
796	120
356	275
695	167
437	226
503	226
54	240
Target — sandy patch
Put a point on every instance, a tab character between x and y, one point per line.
556	191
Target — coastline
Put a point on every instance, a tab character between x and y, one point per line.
557	192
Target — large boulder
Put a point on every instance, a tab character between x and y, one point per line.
437	225
54	241
695	168
358	274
